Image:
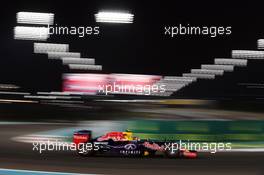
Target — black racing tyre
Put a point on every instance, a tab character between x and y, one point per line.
170	154
152	153
82	151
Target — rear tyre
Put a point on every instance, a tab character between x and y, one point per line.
84	152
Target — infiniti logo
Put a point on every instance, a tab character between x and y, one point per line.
130	146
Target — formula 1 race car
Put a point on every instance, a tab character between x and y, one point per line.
124	144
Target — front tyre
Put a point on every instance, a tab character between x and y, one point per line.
173	154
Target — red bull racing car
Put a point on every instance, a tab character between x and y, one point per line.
124	144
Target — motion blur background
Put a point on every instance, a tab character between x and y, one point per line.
228	108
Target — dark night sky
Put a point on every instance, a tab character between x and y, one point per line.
139	48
